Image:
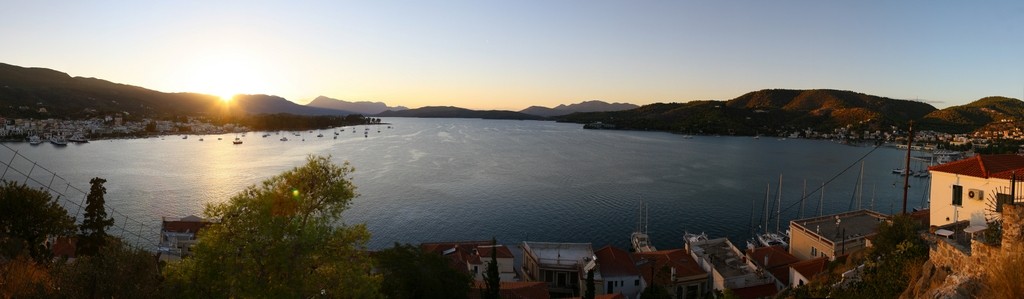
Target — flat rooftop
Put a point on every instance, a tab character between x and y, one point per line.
558	254
723	256
834	227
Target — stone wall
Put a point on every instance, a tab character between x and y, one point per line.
945	253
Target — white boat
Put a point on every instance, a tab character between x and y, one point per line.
693	238
58	141
772	238
284	138
641	241
78	138
237	141
34	140
902	171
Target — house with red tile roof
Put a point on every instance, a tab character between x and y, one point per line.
514	290
684	278
178	235
775	260
618	273
473	257
972	189
800	273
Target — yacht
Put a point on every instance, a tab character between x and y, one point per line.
58	141
641	241
34	140
78	138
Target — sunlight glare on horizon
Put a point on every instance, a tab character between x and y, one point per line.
224	73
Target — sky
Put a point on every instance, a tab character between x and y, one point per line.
515	54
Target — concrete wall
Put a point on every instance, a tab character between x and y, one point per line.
801	241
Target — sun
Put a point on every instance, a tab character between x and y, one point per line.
226	97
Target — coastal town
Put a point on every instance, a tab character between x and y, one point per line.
974	216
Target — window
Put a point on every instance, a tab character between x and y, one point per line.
549	277
958	195
561	279
692	291
611	287
636	282
475	270
814	251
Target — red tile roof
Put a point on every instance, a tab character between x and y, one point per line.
615	262
761	291
677	258
775	259
811	267
465	252
514	290
190	224
984	166
605	296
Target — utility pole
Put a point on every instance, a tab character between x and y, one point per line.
906	168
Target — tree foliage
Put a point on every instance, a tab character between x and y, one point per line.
95	222
588	293
115	271
408	272
897	253
27	217
281	239
492	277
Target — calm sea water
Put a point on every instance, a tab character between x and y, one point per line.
467	179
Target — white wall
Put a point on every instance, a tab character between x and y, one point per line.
941	197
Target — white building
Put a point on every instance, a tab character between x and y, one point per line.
618	272
972	189
557	264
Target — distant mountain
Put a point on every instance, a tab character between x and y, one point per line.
587	106
455	112
266	104
975	115
364	108
24	91
765	112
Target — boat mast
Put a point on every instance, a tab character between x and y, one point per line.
860	186
822	200
767	195
778	206
803	196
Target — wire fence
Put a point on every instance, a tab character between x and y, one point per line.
21	169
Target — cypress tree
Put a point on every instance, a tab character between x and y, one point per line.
94	226
492	278
589	294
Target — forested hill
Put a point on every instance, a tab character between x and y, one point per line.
766	112
25	92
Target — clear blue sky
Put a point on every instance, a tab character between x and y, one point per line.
513	54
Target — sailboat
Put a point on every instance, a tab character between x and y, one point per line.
773	238
641	241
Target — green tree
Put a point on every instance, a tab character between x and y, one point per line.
116	271
93	235
897	253
408	272
492	277
27	217
589	292
282	239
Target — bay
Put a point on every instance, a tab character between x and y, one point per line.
428	180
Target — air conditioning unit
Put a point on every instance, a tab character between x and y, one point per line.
975	194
